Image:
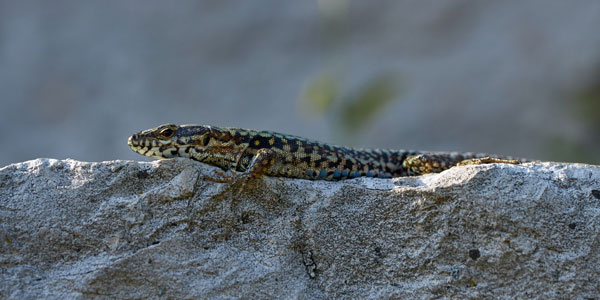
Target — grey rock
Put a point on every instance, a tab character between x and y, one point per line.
159	230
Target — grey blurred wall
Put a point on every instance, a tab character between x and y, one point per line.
510	77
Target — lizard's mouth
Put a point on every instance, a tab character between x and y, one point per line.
149	146
138	143
145	146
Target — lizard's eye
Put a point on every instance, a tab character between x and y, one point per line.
167	133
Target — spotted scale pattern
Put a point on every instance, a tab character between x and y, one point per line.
275	154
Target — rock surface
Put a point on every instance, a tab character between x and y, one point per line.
158	230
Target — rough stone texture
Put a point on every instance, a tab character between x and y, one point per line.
132	230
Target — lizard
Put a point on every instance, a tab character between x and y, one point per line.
257	153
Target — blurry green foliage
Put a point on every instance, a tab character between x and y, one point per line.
351	113
320	94
369	102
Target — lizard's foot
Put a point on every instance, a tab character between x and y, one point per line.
239	183
487	160
236	184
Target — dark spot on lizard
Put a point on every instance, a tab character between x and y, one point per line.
238	138
332	165
306	159
259	142
321	162
596	194
293	145
572	225
348	165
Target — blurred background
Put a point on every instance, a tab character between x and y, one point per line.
518	78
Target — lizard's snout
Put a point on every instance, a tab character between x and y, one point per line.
133	140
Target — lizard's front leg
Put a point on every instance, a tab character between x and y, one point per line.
260	164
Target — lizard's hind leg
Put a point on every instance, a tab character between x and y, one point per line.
487	160
435	163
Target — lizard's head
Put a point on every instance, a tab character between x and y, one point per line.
166	141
